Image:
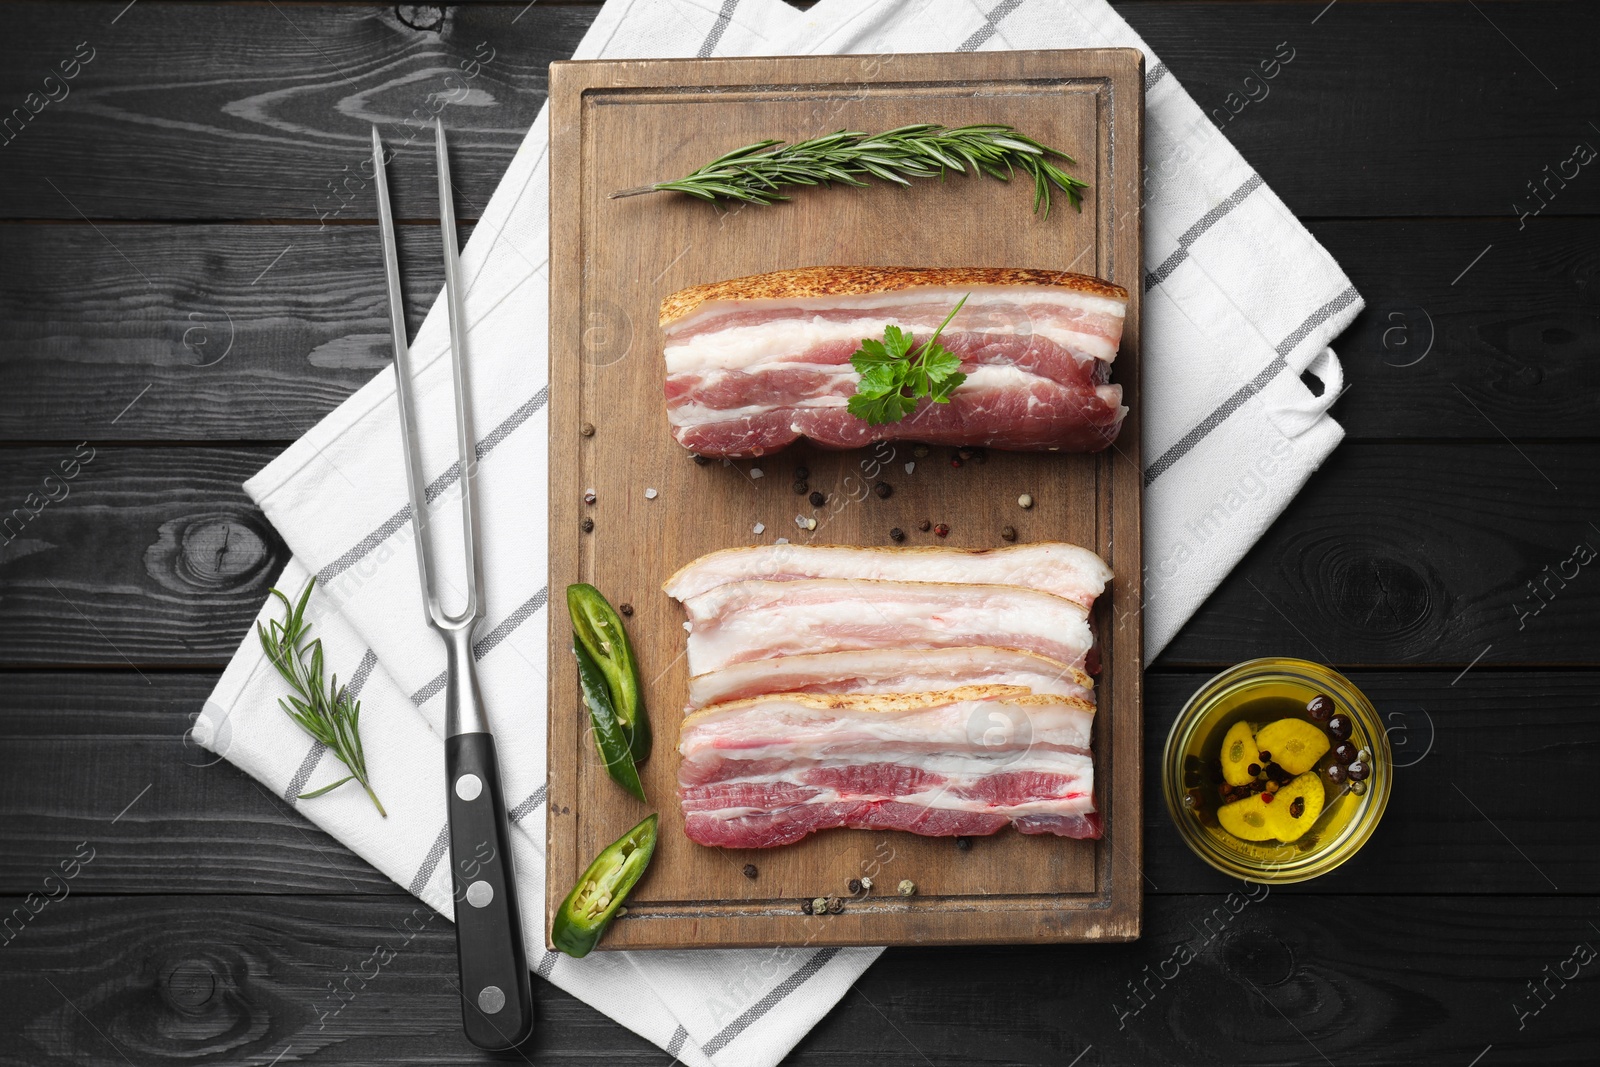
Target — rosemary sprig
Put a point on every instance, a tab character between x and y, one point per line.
756	173
325	711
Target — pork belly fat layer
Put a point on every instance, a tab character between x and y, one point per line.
768	771
758	620
1065	570
875	671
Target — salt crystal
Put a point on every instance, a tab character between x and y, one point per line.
755	472
650	494
910	467
781	541
759	527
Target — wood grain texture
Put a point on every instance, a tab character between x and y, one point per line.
606	285
103	757
264	111
83	745
197	333
119	981
275	129
1447	78
1516	334
146	556
1417	553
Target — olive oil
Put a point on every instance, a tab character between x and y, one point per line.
1259	704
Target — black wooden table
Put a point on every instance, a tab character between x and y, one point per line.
188	283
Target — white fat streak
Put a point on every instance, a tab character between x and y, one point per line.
998	300
787	729
1056	567
778	340
790	629
986	379
895	673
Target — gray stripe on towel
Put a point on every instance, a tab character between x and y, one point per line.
547	963
718	28
486	644
435	488
430	862
530	805
675	1044
1154	75
1250	388
991	24
1194	233
754	1013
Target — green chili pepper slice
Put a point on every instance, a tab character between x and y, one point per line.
598	628
594	901
609	737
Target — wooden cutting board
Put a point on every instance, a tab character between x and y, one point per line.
621	124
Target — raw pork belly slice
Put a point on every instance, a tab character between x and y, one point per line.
768	771
750	620
754	363
890	671
1050	567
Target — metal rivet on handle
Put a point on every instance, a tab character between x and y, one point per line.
491	999
469	786
479	894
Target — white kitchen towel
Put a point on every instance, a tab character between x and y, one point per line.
1239	300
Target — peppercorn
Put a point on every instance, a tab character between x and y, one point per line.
942	530
920	451
924	525
964	453
806	907
1266	757
897	535
963	843
955	461
883	489
588	525
589	497
800	488
854	885
587	429
819	906
699	459
1266	798
626	609
1254	769
866	883
1025	501
1008	533
802	473
835	905
817	500
980	455
907	887
750	870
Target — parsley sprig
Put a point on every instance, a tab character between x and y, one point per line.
894	376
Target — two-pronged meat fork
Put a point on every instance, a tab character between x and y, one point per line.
496	999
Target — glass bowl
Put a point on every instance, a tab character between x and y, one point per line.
1260	691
